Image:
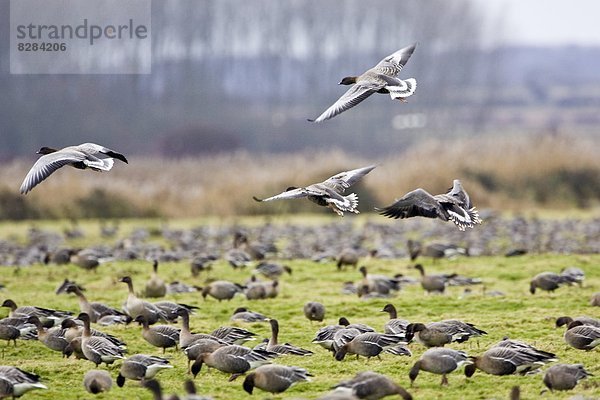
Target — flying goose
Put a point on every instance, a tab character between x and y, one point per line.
453	206
382	78
140	367
86	155
329	192
15	382
274	378
371	385
564	376
439	361
97	381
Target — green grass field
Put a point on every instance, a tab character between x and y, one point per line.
519	315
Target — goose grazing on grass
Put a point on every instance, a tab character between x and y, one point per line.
53	338
372	344
140	367
95	348
453	206
274	378
564	376
15	382
582	337
97	381
382	79
548	281
561	321
595	300
234	359
86	155
221	290
155	287
438	361
73	330
371	385
272	270
243	314
329	192
507	360
438	334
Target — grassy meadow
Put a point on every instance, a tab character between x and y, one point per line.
518	315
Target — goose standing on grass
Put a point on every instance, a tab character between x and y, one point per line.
438	361
135	306
314	311
506	360
287	348
221	290
274	378
548	281
15	382
394	326
162	336
234	359
382	79
86	155
329	192
453	206
97	311
371	385
564	376
561	321
95	348
243	314
46	315
97	381
140	367
155	287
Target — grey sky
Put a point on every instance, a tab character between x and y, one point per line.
545	22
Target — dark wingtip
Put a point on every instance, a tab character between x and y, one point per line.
257	199
118	156
310	120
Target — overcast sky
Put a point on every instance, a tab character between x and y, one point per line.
545	22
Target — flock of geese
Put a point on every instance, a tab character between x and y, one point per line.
224	349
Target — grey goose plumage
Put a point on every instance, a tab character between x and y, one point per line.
155	286
509	359
455	206
382	79
394	325
233	359
328	193
287	348
97	381
15	382
96	310
161	336
371	385
83	156
439	361
274	378
135	306
582	337
140	367
95	348
564	376
314	311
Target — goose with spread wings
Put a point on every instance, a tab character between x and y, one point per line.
453	206
86	155
329	193
382	79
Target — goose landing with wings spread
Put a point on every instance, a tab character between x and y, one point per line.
329	193
453	206
382	78
86	155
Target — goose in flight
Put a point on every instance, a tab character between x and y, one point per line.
453	206
382	78
86	155
329	192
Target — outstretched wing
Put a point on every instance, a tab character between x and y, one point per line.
393	64
297	193
342	181
46	165
418	203
352	97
